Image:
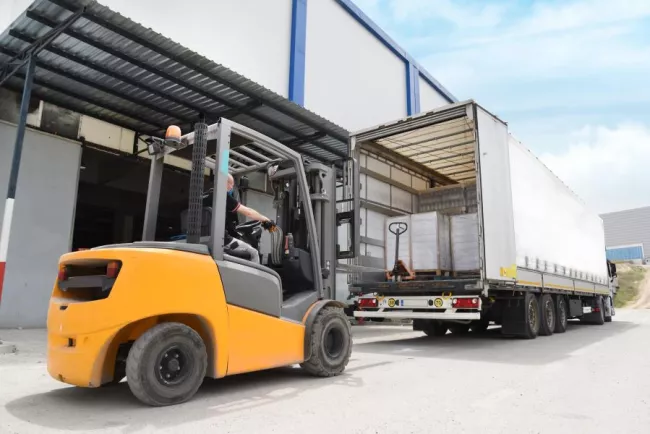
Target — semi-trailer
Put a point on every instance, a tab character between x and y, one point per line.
490	235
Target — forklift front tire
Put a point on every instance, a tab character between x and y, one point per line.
330	343
166	365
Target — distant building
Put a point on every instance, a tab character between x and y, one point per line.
632	253
627	234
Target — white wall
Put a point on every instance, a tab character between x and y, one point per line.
429	97
351	78
251	37
41	229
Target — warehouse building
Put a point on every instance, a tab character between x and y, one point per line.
627	234
109	74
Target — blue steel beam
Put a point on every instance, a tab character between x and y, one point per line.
298	50
411	63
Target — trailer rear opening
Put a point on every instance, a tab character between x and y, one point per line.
497	239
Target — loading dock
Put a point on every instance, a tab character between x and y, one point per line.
90	61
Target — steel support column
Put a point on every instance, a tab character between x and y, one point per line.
15	167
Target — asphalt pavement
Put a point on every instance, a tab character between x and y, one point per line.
592	379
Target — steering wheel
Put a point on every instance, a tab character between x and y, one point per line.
249	225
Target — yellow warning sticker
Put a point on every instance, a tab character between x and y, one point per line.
510	271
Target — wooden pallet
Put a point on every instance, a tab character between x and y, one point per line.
466	273
437	273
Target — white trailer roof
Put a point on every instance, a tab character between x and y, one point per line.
441	140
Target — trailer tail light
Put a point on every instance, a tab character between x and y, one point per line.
112	269
367	302
465	303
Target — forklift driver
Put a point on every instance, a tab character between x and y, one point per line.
233	206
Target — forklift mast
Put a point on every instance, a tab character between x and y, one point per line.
305	193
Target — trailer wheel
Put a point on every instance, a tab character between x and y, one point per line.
599	317
561	314
547	315
480	326
435	329
459	329
166	365
531	315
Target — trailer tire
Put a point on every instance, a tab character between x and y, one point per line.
561	314
547	315
599	317
459	329
435	328
531	315
480	326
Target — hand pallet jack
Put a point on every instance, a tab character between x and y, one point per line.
400	270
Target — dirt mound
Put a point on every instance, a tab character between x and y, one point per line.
643	301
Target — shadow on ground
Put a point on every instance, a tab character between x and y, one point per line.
77	409
495	348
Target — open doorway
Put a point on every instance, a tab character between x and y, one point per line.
111	199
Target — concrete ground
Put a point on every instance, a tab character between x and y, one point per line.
592	379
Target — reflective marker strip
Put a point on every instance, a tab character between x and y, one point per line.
4	240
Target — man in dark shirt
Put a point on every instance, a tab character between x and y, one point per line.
233	207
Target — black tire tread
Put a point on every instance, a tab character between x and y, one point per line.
459	329
609	318
435	329
479	326
528	333
544	329
561	326
314	365
137	352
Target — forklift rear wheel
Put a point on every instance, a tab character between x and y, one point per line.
330	343
166	365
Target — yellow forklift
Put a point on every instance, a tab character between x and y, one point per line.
165	315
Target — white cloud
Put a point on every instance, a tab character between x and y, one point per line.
607	167
568	39
560	55
575	14
463	15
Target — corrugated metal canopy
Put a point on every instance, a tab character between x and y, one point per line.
443	141
113	69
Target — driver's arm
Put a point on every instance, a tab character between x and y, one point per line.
251	213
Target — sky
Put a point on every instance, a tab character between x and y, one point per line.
569	76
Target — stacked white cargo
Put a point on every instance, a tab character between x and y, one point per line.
464	242
430	242
404	242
